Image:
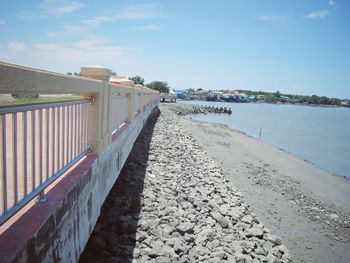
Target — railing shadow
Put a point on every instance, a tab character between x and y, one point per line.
114	236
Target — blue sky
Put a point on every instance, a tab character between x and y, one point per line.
293	46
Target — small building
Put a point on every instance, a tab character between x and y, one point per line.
168	97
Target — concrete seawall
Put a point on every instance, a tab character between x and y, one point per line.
57	231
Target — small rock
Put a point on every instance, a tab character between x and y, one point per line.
185	228
224	209
273	239
254	232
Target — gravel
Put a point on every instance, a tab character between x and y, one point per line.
180	207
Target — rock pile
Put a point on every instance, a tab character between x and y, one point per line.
172	203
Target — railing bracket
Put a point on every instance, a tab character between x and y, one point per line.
41	198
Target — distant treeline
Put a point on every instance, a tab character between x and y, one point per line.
273	97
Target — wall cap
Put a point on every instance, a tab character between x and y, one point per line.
96	72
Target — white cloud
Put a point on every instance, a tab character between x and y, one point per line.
138	11
89	50
130	12
318	14
64	57
269	18
47	8
2	23
15	46
63	7
332	2
82	27
147	28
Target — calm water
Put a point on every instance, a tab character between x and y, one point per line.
318	134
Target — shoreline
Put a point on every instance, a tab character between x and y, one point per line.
279	148
305	205
270	103
188	113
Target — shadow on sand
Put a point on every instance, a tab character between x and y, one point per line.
114	236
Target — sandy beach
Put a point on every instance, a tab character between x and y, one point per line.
306	206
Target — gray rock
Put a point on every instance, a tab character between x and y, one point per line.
273	239
247	246
254	232
189	238
185	228
156	244
162	251
200	250
247	219
223	221
163	259
224	209
283	249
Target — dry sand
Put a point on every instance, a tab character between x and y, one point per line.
308	207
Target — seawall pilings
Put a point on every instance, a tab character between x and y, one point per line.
172	203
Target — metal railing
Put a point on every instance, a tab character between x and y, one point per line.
38	142
118	113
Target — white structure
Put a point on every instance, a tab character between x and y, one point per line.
121	80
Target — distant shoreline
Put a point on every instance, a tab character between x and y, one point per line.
277	103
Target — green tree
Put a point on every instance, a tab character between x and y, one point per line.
73	74
190	91
138	80
161	86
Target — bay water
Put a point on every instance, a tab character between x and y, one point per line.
320	135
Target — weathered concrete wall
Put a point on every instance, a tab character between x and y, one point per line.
58	230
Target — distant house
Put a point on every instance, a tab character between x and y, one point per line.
181	91
252	98
285	98
198	95
214	95
181	94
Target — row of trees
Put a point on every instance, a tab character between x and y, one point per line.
161	86
291	98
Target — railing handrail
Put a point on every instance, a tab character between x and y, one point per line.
20	79
38	106
16	78
128	89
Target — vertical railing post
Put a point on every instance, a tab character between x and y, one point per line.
140	107
131	101
140	97
98	111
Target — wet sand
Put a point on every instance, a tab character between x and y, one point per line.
308	207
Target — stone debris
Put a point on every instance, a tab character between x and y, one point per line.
331	218
179	208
